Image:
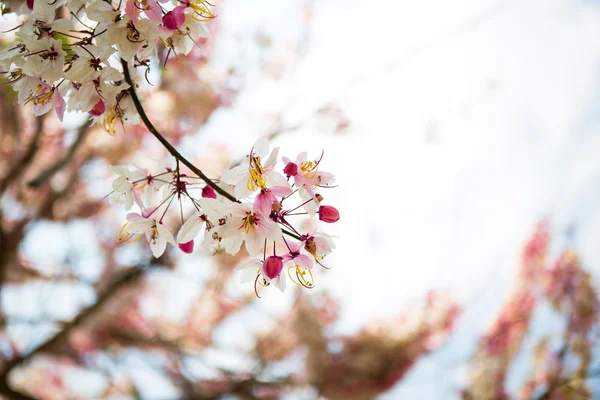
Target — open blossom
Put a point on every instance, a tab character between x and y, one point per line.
122	186
257	173
46	60
156	233
307	177
251	227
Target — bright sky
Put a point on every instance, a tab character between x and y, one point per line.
471	120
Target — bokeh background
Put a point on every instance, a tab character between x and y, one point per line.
456	130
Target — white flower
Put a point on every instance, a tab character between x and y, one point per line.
129	37
244	225
123	185
46	60
182	40
256	173
157	234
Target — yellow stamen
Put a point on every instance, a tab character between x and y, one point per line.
124	238
301	275
309	169
202	12
110	120
256	179
249	222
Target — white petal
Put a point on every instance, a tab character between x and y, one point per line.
272	160
190	229
261	147
139	226
280	282
232	244
159	246
236	175
163	232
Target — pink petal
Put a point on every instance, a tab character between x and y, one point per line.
187	247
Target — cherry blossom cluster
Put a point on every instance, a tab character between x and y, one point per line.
67	53
264	217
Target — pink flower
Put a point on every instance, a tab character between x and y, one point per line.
265	199
328	214
272	267
296	257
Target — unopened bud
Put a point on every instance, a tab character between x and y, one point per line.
208	192
173	19
272	267
30	4
290	169
328	214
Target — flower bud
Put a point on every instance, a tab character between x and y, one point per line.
290	169
208	192
187	247
173	19
98	109
328	214
30	4
272	267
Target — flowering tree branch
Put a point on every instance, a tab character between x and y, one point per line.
165	142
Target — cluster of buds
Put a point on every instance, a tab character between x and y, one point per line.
67	53
262	218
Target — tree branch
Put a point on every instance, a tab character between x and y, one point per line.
165	142
60	164
127	278
21	164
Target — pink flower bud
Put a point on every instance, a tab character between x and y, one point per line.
208	192
98	109
173	19
30	4
290	169
187	247
272	267
329	214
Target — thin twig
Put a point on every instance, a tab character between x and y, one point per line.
20	164
165	142
60	164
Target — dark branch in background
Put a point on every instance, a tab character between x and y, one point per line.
128	278
60	164
165	142
20	164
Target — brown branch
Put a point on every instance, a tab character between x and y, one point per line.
20	164
129	277
61	163
165	142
